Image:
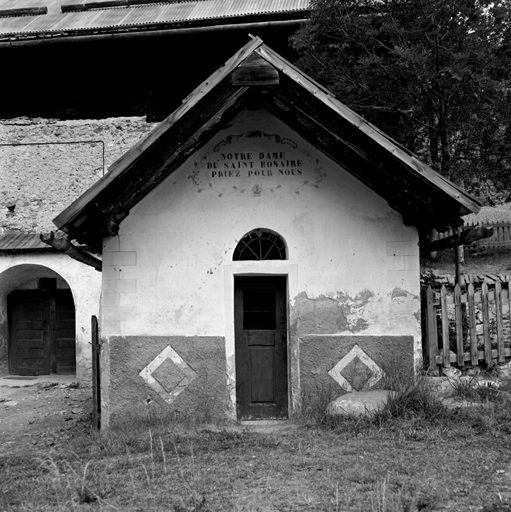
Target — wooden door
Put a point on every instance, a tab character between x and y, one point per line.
260	318
41	332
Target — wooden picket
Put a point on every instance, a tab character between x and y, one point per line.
450	319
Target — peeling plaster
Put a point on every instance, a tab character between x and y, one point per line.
398	292
327	315
231	385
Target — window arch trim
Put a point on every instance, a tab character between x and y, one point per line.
260	244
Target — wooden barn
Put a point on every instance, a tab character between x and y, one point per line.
259	245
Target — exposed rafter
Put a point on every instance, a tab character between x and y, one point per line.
60	242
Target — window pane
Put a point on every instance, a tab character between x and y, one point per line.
259	308
260	245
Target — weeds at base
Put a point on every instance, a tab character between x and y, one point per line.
415	409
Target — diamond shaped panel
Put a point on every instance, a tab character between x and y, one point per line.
170	389
169	375
356	371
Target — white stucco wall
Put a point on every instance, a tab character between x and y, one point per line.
170	272
165	271
21	271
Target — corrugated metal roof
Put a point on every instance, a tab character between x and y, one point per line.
22	242
140	15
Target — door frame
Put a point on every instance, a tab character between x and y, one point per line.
49	297
256	342
253	269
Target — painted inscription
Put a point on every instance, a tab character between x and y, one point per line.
238	159
250	163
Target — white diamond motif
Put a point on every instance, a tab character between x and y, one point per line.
356	351
168	353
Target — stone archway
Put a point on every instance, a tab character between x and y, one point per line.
37	322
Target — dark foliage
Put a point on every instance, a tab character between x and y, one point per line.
434	74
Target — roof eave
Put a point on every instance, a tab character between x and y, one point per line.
444	205
155	29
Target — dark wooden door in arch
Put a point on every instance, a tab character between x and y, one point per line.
41	332
260	321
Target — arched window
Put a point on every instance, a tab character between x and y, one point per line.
260	244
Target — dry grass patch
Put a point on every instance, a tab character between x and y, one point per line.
414	455
403	465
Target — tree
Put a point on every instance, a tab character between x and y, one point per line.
434	74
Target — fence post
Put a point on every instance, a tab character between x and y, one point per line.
460	356
446	363
498	320
486	324
474	352
431	344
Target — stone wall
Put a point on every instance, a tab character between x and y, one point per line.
46	164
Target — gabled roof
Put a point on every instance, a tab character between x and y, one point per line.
25	20
257	77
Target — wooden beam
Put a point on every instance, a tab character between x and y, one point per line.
384	172
254	71
391	147
349	156
60	242
118	168
23	11
157	161
465	237
363	157
172	150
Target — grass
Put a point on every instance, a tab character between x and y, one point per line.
415	454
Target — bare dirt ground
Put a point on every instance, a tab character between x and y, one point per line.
42	416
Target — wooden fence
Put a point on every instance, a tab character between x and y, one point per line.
501	238
466	328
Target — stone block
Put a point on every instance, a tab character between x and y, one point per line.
110	299
395	263
120	258
111	243
359	404
110	272
119	313
119	285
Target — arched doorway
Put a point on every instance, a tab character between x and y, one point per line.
41	321
260	323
